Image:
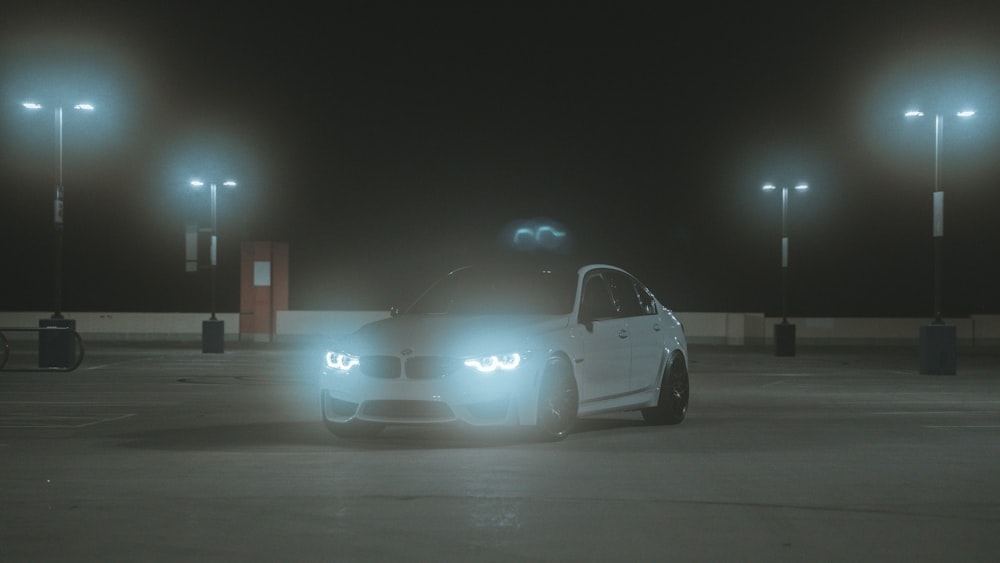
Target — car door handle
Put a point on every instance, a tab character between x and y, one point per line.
623	333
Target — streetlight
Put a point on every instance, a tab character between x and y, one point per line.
213	330
58	206
784	333
937	341
57	350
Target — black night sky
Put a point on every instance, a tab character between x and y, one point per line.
387	142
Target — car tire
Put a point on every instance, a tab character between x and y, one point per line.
558	401
671	406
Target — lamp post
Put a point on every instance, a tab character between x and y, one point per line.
57	349
937	340
213	330
784	333
58	206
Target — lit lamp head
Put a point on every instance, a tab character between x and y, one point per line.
918	113
81	106
799	187
198	183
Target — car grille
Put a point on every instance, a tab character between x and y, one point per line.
417	367
431	367
382	367
429	410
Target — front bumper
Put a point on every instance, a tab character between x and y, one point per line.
475	399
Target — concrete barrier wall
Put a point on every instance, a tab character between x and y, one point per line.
986	329
127	326
983	330
733	329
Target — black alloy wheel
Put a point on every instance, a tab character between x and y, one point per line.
558	401
671	407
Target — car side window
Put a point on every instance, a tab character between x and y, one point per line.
624	291
597	302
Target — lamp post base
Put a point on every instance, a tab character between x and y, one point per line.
784	339
213	336
938	349
57	348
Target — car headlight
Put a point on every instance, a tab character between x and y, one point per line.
494	362
341	361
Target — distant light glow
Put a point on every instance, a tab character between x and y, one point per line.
547	229
540	233
802	187
32	105
489	364
914	113
769	187
537	233
197	183
230	183
966	113
88	107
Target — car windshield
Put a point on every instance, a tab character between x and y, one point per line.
474	291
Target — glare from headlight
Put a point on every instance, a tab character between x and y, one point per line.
488	364
341	361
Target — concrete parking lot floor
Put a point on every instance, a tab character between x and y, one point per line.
162	453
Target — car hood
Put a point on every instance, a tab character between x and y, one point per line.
450	335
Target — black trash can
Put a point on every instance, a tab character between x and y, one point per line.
213	336
56	348
784	339
938	354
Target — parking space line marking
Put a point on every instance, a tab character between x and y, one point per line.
132	361
961	425
93	421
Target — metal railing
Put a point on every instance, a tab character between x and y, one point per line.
5	348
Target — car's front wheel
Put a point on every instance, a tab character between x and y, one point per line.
558	401
671	407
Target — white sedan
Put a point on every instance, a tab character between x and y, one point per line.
533	346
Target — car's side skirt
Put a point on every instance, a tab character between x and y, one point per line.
626	401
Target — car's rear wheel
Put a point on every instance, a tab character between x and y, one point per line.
558	401
671	407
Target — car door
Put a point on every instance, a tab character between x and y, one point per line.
644	328
605	343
